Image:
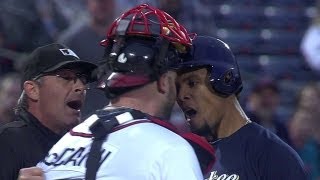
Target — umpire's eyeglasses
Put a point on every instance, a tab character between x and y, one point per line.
68	75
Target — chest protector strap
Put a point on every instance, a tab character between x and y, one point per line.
108	120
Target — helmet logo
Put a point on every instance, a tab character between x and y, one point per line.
122	58
228	77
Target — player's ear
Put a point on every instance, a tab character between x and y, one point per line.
31	88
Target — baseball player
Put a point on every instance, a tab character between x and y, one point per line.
208	85
130	138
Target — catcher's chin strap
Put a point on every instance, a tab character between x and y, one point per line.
100	130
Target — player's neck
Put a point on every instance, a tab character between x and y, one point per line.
234	118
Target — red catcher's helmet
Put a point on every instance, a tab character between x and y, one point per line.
145	20
142	44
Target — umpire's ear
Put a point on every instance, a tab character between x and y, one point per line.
31	88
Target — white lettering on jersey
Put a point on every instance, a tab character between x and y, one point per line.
68	52
214	176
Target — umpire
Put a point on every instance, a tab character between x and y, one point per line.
54	86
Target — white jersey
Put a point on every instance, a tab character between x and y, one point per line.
142	151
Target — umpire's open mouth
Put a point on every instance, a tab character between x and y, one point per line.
75	104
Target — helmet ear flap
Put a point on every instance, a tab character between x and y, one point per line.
228	83
228	77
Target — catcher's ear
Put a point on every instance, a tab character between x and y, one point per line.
165	82
161	84
31	88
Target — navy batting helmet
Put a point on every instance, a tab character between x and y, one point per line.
141	44
224	74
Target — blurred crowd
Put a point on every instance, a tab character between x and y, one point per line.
80	24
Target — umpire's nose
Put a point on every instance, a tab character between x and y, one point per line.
79	86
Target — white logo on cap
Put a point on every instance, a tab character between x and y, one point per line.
122	58
68	52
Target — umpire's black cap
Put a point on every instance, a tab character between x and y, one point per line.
52	57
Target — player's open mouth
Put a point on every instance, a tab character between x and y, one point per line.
190	113
75	104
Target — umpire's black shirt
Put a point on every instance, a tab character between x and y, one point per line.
23	143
